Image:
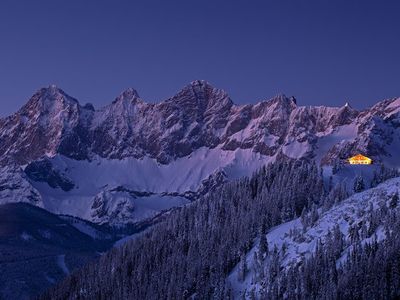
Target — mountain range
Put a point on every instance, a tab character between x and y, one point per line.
119	164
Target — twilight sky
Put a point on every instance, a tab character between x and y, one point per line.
323	52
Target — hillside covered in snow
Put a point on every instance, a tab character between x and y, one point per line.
278	264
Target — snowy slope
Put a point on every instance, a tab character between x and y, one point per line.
300	242
95	195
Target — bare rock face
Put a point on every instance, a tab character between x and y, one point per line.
112	206
51	122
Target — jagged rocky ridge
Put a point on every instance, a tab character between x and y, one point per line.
173	150
198	116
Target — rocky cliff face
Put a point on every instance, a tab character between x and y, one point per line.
51	122
185	140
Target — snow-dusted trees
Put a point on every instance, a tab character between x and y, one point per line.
369	270
383	174
394	200
191	251
337	165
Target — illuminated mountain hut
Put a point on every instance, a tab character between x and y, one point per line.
360	159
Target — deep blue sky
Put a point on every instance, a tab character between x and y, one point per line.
323	52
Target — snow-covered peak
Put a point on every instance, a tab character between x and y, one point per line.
201	95
282	98
53	88
200	82
277	103
201	85
345	115
51	122
125	105
54	93
49	101
129	95
118	116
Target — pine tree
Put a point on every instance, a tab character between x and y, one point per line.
242	268
263	247
336	166
359	185
394	200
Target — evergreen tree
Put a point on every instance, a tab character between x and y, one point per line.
242	268
359	185
394	200
263	247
